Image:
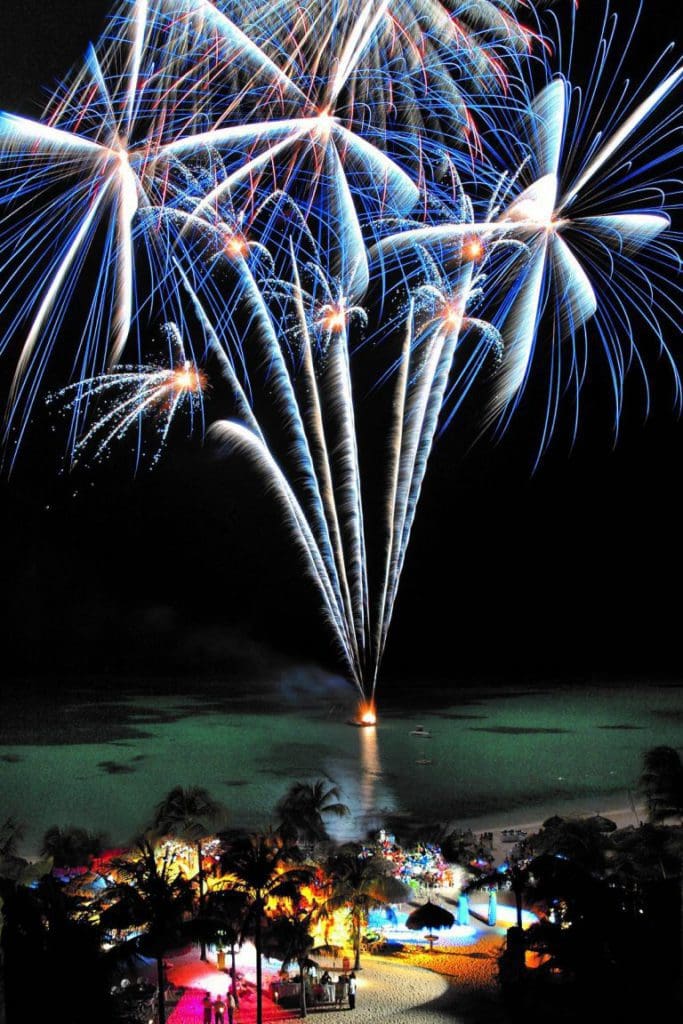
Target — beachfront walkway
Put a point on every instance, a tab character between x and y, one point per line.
388	992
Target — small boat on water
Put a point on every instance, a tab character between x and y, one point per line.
420	730
424	760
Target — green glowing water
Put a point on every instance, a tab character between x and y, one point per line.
491	755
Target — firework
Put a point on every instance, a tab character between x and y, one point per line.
285	185
572	235
130	394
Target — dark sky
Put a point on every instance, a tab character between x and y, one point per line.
569	572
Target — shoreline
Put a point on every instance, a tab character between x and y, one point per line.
497	763
530	819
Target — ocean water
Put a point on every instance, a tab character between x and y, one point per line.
104	763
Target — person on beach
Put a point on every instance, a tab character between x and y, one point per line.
318	992
219	1011
232	1006
352	990
207	1005
340	990
328	987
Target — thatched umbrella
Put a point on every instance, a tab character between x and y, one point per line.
429	916
602	824
328	949
554	822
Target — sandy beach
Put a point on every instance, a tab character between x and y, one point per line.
388	991
531	819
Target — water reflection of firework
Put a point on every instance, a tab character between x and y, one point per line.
371	769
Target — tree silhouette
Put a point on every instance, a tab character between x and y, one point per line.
189	813
152	894
71	847
361	883
226	913
289	939
48	932
256	866
305	806
661	782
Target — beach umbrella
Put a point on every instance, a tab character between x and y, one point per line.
430	916
328	949
554	822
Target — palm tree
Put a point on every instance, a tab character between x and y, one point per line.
256	866
188	813
661	781
577	839
71	847
520	879
15	873
153	894
289	939
360	884
517	874
51	930
649	853
11	833
305	806
226	918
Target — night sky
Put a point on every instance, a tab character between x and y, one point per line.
569	572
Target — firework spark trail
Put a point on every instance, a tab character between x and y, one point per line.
321	454
295	179
540	217
314	518
417	408
129	394
236	438
132	164
324	404
328	479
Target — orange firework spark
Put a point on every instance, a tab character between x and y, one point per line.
335	318
367	715
188	379
235	246
473	249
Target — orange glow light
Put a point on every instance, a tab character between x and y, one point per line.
235	245
367	715
473	249
189	378
335	320
452	316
